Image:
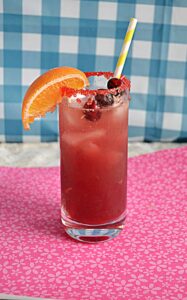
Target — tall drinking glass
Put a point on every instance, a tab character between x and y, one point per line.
93	145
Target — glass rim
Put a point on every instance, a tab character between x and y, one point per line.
102	109
125	85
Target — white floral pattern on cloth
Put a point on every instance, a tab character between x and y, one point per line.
147	261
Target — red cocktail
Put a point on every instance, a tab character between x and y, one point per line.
93	141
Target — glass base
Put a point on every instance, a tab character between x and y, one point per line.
92	233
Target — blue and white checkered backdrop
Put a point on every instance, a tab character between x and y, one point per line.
41	34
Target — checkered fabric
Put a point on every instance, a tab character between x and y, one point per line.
88	34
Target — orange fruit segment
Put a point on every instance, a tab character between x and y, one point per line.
44	93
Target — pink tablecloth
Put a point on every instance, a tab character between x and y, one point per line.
147	261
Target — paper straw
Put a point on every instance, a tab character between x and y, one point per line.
125	47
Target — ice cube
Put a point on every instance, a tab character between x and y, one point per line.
90	149
74	139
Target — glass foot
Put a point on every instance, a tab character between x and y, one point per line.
93	235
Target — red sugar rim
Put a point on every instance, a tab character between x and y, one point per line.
125	85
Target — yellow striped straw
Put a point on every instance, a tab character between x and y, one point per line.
125	47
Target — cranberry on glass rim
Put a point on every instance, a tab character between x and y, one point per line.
113	83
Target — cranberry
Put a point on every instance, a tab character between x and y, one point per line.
113	83
91	110
104	100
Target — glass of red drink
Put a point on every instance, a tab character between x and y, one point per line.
93	126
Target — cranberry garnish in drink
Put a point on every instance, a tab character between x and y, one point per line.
104	100
91	110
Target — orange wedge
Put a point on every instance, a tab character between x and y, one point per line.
44	93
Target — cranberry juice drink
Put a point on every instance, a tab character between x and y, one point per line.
93	142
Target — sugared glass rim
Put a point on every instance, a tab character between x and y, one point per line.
125	85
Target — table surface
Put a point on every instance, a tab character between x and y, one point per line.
47	154
147	260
